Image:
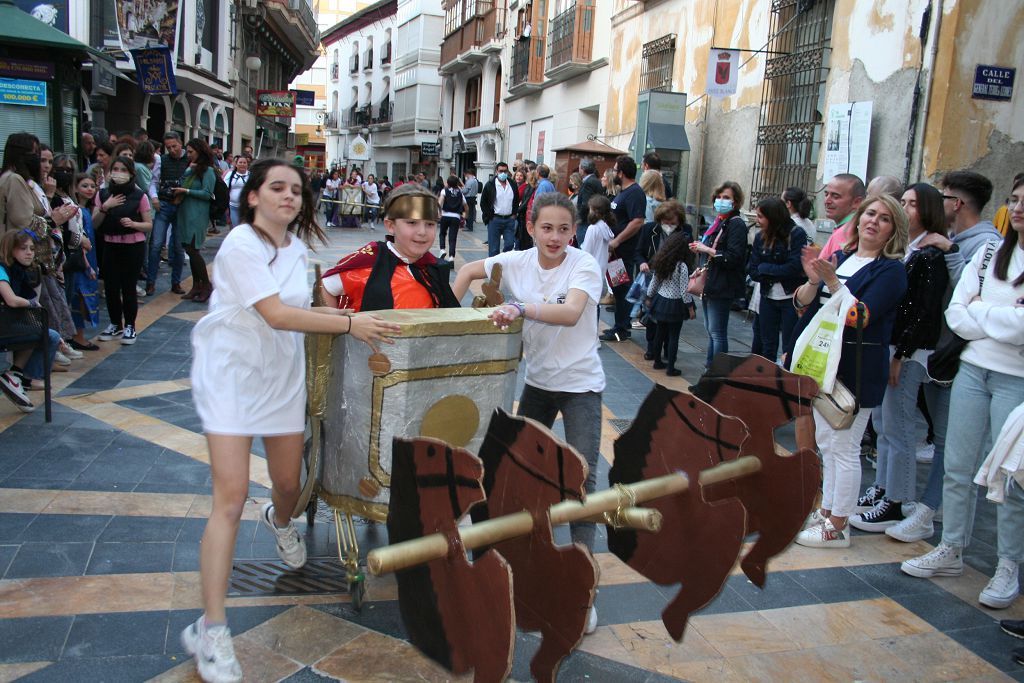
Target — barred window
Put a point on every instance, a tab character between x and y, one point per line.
473	91
656	70
789	131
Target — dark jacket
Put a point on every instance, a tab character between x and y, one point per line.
920	314
171	172
727	268
880	286
487	199
651	238
591	185
780	263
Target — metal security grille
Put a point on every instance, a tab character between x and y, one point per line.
793	97
272	577
656	71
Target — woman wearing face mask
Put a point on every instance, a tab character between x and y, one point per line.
722	250
77	245
124	215
667	219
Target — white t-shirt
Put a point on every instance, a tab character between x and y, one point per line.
235	182
372	197
247	377
596	243
558	358
847	269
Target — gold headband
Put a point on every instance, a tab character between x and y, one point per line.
414	208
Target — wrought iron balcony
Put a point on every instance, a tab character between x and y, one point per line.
385	54
353	64
355	116
368	60
332	119
385	111
478	34
570	40
335	71
527	64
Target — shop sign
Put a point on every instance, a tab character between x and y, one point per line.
993	83
305	98
24	93
275	103
25	68
430	149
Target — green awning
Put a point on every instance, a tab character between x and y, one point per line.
21	28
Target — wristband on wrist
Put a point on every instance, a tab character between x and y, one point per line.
349	330
519	307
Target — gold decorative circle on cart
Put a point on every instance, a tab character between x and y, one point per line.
379	364
454	419
368	487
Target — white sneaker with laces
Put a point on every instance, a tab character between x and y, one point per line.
110	333
60	359
291	547
925	452
824	535
916	526
591	620
129	336
943	560
1004	587
73	354
213	652
815	519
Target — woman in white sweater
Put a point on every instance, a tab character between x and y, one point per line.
987	309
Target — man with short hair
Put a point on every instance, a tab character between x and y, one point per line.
589	186
247	150
173	165
843	194
544	184
218	157
141	135
470	190
88	149
499	203
630	207
652	162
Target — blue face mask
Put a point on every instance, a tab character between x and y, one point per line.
723	205
503	176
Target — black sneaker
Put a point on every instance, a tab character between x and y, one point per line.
1013	627
614	335
879	518
870	499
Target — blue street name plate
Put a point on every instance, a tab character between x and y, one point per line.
993	82
25	93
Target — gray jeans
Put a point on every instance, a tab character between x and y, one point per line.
581	416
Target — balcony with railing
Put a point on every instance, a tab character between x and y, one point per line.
353	64
385	54
476	35
571	41
335	71
357	116
368	60
332	119
527	65
385	111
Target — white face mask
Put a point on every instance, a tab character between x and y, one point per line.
120	178
668	229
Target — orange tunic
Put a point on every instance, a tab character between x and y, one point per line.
406	291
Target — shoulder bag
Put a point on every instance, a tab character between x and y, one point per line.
699	277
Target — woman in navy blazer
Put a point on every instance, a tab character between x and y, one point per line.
871	268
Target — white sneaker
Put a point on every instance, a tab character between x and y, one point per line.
291	547
1004	587
13	388
925	452
943	560
129	336
60	359
140	291
591	621
213	652
815	519
110	333
916	526
824	535
73	354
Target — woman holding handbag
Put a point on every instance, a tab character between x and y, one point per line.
870	268
720	280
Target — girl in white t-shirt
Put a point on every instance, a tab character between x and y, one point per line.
248	379
555	288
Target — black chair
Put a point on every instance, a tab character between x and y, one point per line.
28	328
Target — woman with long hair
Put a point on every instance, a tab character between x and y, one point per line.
799	206
897	422
670	303
84	287
722	250
193	218
653	186
987	309
526	194
775	264
249	380
871	269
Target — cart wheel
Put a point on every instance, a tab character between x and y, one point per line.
311	511
357	592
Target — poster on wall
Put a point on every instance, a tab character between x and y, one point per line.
847	139
133	24
52	13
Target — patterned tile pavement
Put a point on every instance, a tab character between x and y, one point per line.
101	512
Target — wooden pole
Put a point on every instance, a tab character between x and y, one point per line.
420	550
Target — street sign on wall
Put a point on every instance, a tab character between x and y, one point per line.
993	83
430	149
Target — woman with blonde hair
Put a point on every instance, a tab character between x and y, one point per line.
653	186
870	267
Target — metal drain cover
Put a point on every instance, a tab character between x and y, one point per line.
620	425
272	577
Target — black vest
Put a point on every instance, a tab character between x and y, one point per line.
111	224
452	201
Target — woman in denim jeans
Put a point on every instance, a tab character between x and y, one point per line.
988	310
897	422
723	250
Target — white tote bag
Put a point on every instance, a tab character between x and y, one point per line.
819	347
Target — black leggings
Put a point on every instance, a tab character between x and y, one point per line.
121	265
196	264
668	334
449	226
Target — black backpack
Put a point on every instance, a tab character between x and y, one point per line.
221	195
452	201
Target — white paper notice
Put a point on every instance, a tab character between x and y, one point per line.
848	139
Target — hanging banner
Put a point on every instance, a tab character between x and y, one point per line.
847	139
142	23
358	149
723	72
155	70
275	103
52	12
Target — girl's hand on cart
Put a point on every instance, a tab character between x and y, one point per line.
503	315
369	328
